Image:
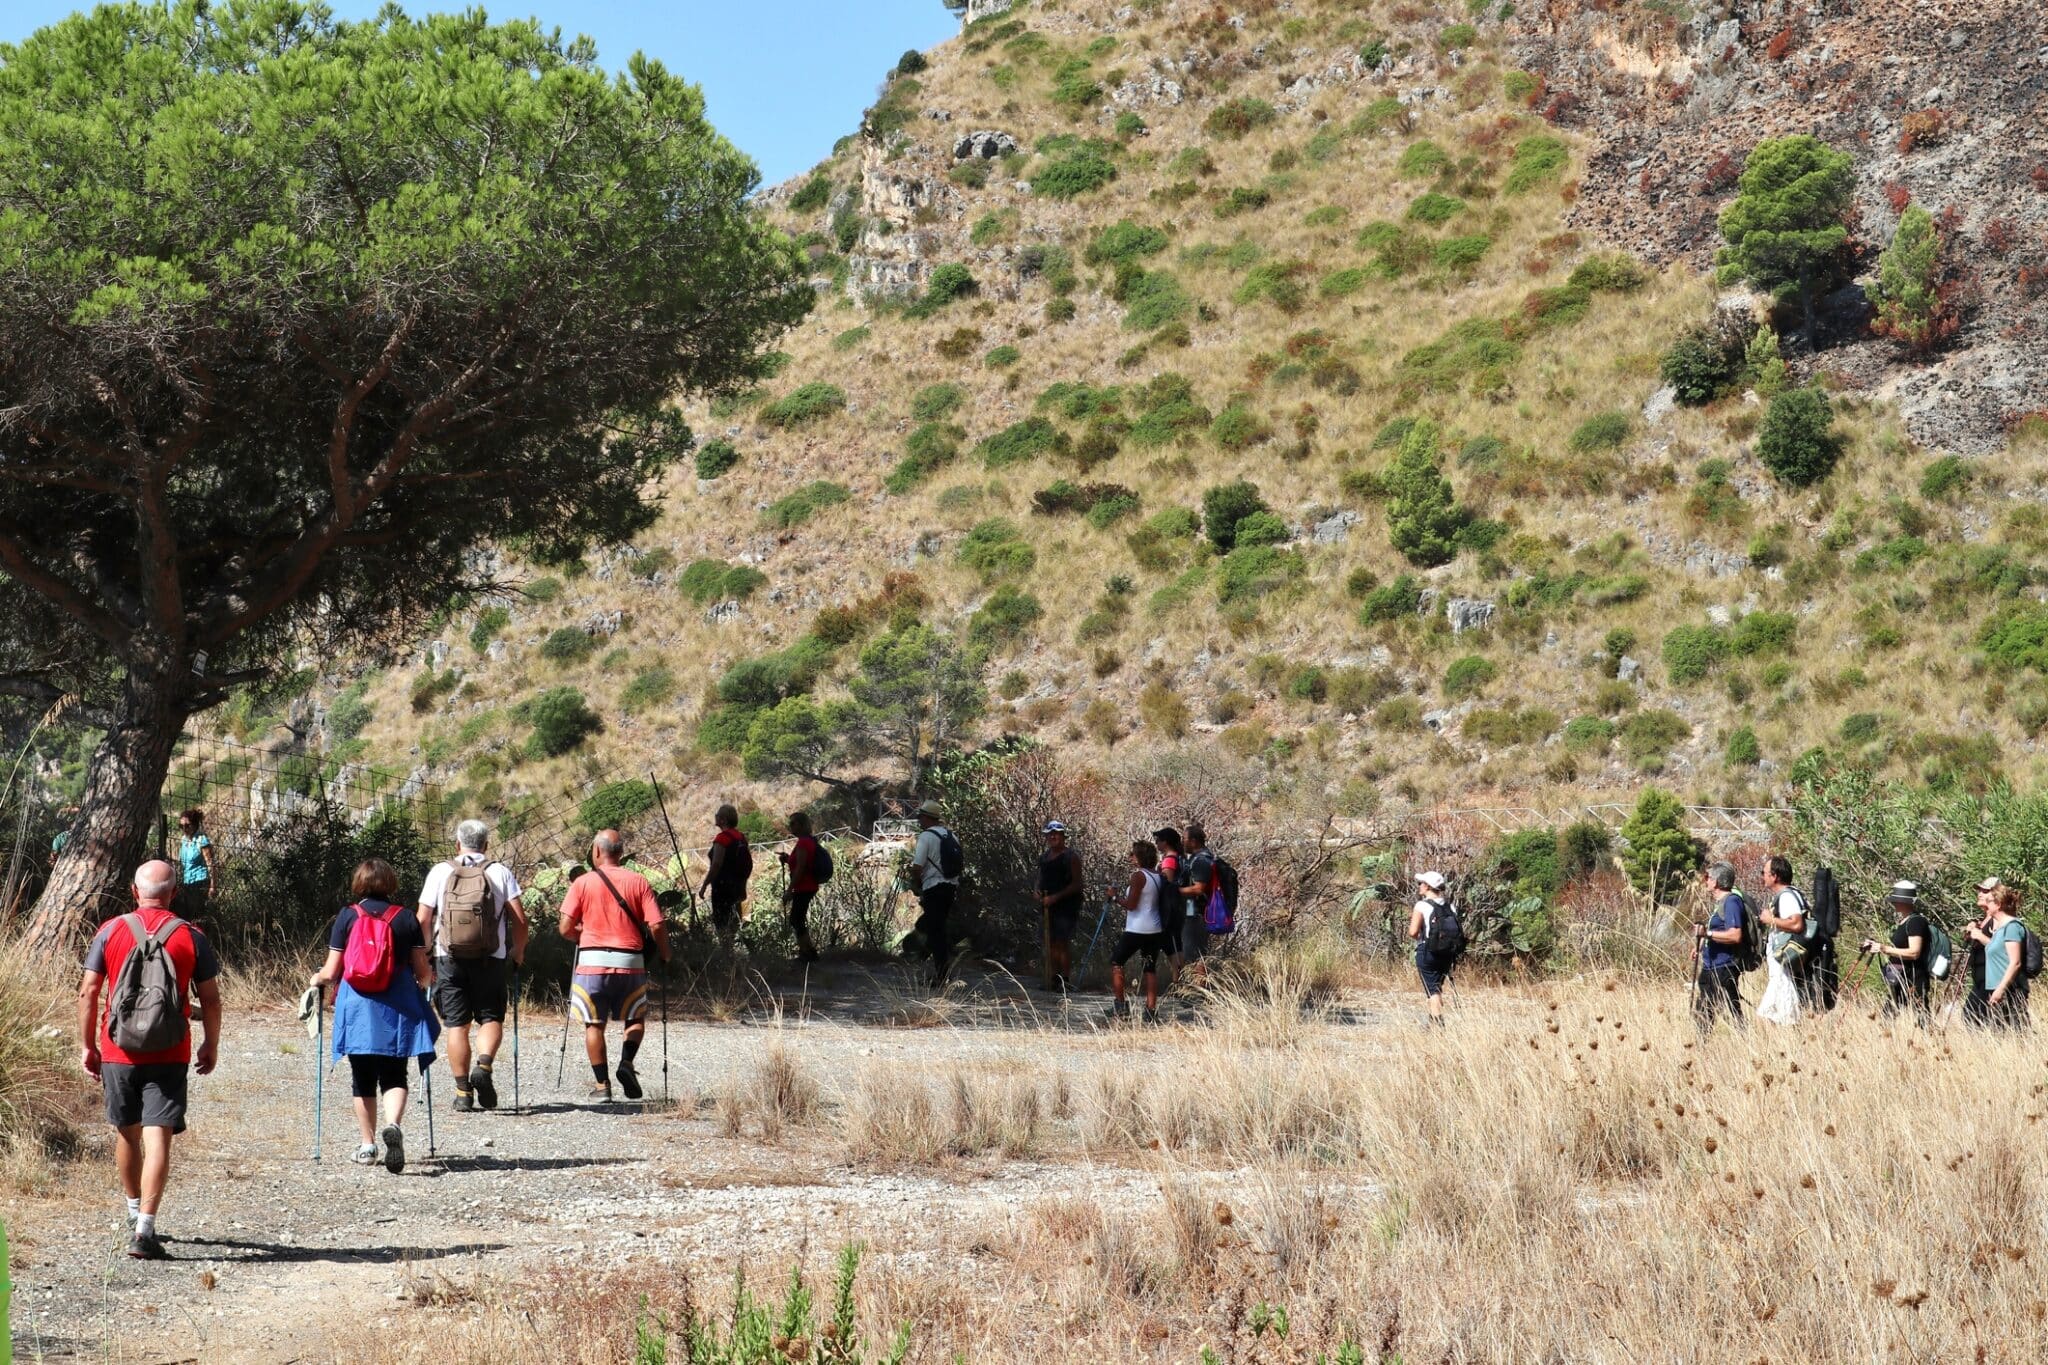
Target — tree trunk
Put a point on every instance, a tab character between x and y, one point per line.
123	787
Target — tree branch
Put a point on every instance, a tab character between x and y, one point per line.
15	558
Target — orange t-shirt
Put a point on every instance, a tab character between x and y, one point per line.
604	925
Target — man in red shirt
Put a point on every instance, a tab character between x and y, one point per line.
611	916
145	1091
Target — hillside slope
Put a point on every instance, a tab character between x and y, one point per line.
1091	261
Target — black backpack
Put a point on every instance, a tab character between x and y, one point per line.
822	866
2030	954
952	858
1445	936
1749	952
1827	902
738	868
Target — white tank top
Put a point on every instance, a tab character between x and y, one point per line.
1145	919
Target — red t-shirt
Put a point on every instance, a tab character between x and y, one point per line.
192	958
604	924
725	883
803	867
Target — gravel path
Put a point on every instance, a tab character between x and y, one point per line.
272	1252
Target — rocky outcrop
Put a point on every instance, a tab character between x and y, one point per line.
971	10
909	209
986	145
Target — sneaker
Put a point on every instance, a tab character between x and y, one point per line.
629	1081
1151	1016
465	1101
144	1246
1119	1013
394	1148
365	1155
598	1094
486	1089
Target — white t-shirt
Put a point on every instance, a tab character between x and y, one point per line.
1145	919
504	886
1787	905
926	856
1427	909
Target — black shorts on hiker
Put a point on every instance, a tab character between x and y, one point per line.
152	1096
1149	946
800	911
1065	920
1194	938
725	910
1432	972
470	990
368	1075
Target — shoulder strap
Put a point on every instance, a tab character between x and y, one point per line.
171	925
646	939
137	933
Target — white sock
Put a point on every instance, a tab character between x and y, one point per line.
145	1225
134	1209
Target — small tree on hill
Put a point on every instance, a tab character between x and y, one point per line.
1224	506
1423	518
1660	853
1913	306
1797	441
1785	229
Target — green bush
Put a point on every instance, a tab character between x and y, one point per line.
1309	683
1692	652
1699	368
806	404
1461	253
1422	160
1860	728
1507	726
1237	427
616	805
1167	410
1601	431
1519	86
1537	160
1764	633
1660	856
1280	281
996	549
1468	675
1243	199
1457	36
1020	442
1225	505
649	688
1326	215
794	509
1907	294
1797	441
1073	87
1944	479
1004	618
1423	521
724	729
1648	735
1588	734
1124	241
1262	528
1743	751
1074	171
934	401
928	449
1249	572
489	622
947	283
714	580
1129	125
1002	357
1435	209
715	459
853	338
1235	118
814	195
1380	113
1392	602
561	720
1151	299
1344	283
2016	636
567	645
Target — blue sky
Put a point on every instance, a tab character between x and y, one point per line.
783	80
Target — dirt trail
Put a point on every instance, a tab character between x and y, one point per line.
279	1259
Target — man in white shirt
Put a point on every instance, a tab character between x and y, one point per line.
470	972
936	891
1784	914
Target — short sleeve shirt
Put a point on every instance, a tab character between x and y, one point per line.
1999	953
603	924
926	856
192	859
803	866
405	929
503	883
726	886
1201	872
1727	915
192	958
1903	933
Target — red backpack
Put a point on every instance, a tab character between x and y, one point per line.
366	962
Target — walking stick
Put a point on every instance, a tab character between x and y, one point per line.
1044	946
682	876
427	1079
562	1055
515	1037
1096	937
664	1033
319	1069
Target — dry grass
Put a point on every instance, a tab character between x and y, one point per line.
777	1094
44	1100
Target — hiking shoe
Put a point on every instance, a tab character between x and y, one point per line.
1119	1013
629	1081
599	1094
1151	1016
485	1089
144	1246
465	1101
365	1155
394	1148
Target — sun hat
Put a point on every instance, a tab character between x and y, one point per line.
1991	884
1905	893
931	808
1433	880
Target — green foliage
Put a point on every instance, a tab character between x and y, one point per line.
1797	441
650	687
928	449
1002	357
1860	728
1129	125
794	509
814	194
1237	427
715	459
615	805
713	580
1538	160
1742	750
1601	431
1648	735
1343	283
1692	652
1468	675
566	645
1461	253
1262	528
1519	86
1457	37
2016	637
1225	505
749	1331
996	549
947	283
1243	199
1474	350
935	401
803	405
1699	367
560	719
489	622
1393	601
1124	241
1657	852
1379	114
1907	291
1279	281
1435	209
1250	572
1588	734
1235	118
1004	618
1021	442
1423	521
1166	409
349	714
1151	299
1944	479
1422	160
724	729
852	339
1073	87
1506	726
1076	168
1764	366
544	589
1764	634
1325	215
1784	230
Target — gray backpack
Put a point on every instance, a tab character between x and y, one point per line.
147	1013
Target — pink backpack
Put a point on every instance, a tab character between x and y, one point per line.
366	962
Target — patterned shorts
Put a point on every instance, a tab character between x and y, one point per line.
598	997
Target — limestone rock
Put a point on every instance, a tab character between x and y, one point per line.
1630	669
1468	613
1333	530
986	143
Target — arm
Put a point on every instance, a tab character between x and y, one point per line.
1198	890
1133	892
330	970
716	861
2012	970
517	932
425	914
208	1056
571	921
657	926
88	1023
207	856
1415	924
422	970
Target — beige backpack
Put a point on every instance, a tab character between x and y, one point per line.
470	913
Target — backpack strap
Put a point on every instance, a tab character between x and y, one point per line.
646	938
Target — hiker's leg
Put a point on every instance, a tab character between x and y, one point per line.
593	1044
1151	989
128	1159
366	1119
488	1039
1116	982
394	1106
457	1039
156	1166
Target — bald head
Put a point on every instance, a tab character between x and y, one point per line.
608	847
154	882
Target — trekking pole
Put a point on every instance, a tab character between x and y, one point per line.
515	1037
427	1079
319	1070
664	1035
682	863
1096	937
562	1055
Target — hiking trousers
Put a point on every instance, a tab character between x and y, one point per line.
1718	991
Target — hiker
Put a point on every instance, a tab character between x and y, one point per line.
1438	936
1060	892
139	1048
1198	880
1717	948
610	914
198	867
62	838
1143	899
2003	992
1171	875
804	863
1907	957
470	911
377	963
725	880
936	863
1784	914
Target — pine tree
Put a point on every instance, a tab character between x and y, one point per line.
1907	293
1660	853
1785	230
1423	520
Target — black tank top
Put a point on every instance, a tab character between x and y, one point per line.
1052	875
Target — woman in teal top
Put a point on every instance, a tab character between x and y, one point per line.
2003	937
197	866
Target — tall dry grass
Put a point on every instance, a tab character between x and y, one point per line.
43	1097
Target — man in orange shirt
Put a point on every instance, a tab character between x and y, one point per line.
145	1087
611	916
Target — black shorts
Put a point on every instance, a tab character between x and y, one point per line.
1194	938
368	1074
152	1096
1150	946
1432	972
800	911
470	990
725	908
1065	918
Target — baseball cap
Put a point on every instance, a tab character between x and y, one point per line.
1433	880
1053	827
1991	884
1905	893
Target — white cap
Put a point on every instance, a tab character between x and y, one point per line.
1433	880
1053	827
1905	893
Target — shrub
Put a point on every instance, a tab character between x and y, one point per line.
1243	199
1129	125
1020	442
814	194
1520	87
1002	357
1601	431
852	338
1262	528
1468	675
1391	602
2016	636
1060	310
1764	633
1326	215
715	459
1279	281
947	283
1004	618
1912	306
934	401
1658	853
489	622
959	343
1235	118
1422	160
1692	652
994	549
1648	735
1588	734
1537	160
1435	209
1343	283
1124	241
649	688
1699	368
1422	520
1225	505
561	721
1507	726
1237	427
1462	253
616	804
1249	572
1073	88
1163	711
1381	112
1944	479
567	645
1077	169
1742	750
794	509
927	450
1457	36
806	404
1309	683
1860	728
1797	441
1166	410
1151	299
